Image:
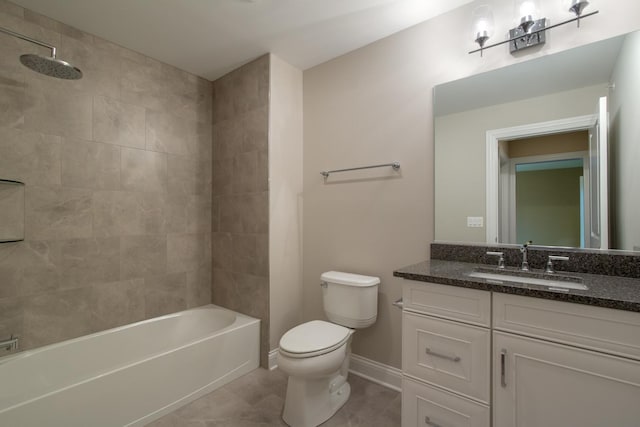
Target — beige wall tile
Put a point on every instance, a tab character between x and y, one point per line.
244	253
142	256
12	100
187	252
11	211
58	213
185	175
29	267
141	82
165	294
199	286
256	130
245	173
33	158
118	303
222	247
90	165
143	170
118	123
84	262
169	133
55	317
56	112
100	67
98	205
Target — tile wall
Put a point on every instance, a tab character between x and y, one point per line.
240	237
117	168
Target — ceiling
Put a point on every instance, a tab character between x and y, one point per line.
211	37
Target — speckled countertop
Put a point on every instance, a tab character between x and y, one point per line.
622	293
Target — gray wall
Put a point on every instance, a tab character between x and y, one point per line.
241	193
117	169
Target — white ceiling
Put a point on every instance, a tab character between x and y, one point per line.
211	37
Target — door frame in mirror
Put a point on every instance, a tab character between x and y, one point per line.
494	136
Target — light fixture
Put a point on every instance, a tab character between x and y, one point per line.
482	25
529	30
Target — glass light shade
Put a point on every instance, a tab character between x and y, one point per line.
576	6
526	12
482	24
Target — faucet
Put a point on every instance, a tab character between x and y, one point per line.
524	249
10	344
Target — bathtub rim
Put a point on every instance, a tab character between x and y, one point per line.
245	319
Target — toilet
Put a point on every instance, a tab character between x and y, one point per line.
315	354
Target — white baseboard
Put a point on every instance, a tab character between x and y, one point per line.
379	373
273	359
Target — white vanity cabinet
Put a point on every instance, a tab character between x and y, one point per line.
569	370
446	349
473	358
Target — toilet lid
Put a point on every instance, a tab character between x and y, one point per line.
314	336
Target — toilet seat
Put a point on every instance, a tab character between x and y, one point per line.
313	338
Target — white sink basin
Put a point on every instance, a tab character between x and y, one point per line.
550	283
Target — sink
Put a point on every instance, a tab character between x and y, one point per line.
562	283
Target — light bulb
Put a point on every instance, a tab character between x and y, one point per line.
482	24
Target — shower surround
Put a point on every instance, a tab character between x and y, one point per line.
117	168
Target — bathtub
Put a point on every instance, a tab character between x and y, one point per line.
130	375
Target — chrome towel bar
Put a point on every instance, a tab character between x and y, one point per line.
394	165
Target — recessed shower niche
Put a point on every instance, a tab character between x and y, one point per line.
11	211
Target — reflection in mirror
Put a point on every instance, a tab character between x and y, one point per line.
524	149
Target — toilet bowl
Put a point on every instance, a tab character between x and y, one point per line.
317	371
315	354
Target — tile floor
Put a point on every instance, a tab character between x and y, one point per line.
256	400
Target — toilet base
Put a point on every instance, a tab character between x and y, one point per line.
310	402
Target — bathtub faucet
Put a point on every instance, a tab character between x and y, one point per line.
10	344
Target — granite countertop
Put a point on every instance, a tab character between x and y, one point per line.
622	293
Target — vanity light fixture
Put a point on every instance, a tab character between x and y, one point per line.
530	31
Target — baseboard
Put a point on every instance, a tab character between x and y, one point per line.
273	359
379	373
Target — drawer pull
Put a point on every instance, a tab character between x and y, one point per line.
503	375
428	422
442	356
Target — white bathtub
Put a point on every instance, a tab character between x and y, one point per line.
131	375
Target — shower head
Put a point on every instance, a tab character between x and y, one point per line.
47	65
50	66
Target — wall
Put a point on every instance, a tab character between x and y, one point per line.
240	237
285	207
550	144
117	171
460	174
624	105
548	207
375	105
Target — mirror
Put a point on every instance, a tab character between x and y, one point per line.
483	120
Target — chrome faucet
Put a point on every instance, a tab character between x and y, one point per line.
10	344
524	249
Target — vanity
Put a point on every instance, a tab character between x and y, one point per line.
484	352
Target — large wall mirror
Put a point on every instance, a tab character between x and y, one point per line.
546	150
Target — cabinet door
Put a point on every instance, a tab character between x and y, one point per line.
448	354
542	384
426	406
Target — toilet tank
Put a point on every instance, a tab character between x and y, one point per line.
350	300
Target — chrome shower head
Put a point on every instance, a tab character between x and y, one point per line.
50	66
47	65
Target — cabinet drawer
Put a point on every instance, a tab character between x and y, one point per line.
426	406
450	302
597	328
448	354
